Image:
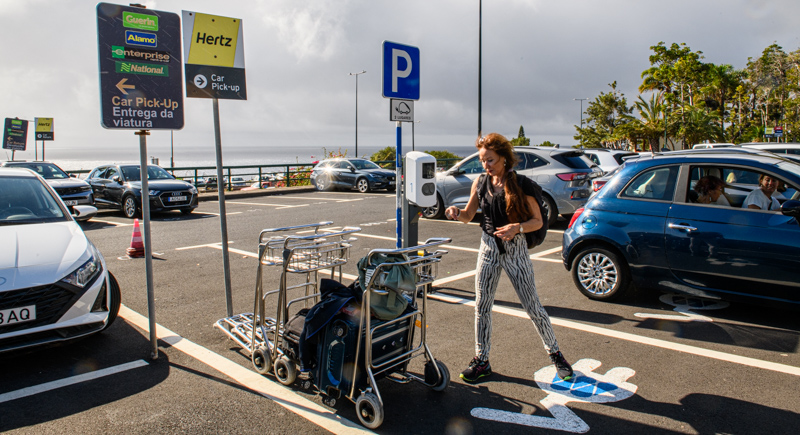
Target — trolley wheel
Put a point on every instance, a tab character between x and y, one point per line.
369	410
261	360
285	371
329	401
444	381
306	384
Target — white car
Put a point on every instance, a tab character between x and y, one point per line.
713	145
54	283
773	147
607	159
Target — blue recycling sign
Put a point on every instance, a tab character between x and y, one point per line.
400	71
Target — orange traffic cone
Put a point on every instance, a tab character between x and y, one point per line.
137	246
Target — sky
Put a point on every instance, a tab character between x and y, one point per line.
537	58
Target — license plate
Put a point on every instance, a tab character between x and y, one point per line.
17	315
71	202
177	198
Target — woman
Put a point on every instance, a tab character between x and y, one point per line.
762	198
509	210
711	190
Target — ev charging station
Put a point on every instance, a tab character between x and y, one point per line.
417	190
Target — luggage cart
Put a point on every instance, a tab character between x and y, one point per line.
304	256
371	359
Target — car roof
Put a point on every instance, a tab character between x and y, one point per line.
718	153
17	172
773	145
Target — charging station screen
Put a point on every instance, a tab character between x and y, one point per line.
428	170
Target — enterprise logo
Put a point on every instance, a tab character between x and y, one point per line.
131	53
142	39
142	68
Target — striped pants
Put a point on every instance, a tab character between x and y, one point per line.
519	269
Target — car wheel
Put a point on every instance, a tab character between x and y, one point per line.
550	210
114	301
129	207
362	184
435	212
322	182
600	274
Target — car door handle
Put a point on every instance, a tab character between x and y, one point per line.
687	228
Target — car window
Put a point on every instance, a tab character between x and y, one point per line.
472	166
364	164
529	161
25	200
656	183
110	173
594	158
574	160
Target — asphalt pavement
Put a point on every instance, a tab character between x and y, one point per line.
652	362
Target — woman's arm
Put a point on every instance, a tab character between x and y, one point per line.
467	213
508	232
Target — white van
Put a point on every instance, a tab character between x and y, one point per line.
774	147
712	145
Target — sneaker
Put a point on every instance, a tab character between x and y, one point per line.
563	368
476	370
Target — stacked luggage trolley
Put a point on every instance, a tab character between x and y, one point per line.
354	349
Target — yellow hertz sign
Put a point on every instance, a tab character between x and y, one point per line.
214	41
44	125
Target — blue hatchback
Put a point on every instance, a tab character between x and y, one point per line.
649	227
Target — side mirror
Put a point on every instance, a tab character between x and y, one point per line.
791	208
73	175
352	169
83	213
116	179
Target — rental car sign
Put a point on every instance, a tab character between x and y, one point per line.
214	51
141	80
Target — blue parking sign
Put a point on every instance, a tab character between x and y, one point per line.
400	71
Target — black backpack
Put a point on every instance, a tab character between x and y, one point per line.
533	238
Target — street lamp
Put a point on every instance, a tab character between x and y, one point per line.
357	74
581	100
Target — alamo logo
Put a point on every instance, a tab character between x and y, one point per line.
142	39
142	68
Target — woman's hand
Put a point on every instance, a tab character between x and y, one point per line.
452	212
507	232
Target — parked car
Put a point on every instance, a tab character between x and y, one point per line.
237	183
607	159
712	145
120	187
773	147
345	173
643	229
564	174
54	283
73	191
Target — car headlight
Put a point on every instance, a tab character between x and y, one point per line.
193	189
153	192
86	272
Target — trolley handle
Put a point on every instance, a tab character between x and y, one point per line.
431	242
316	227
318	238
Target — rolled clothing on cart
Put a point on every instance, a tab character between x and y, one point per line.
333	297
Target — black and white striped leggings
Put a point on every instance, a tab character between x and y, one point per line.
519	269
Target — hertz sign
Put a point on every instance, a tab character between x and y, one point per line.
214	53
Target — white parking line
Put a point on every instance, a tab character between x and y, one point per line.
226	214
655	342
72	380
265	204
283	396
116	224
322	198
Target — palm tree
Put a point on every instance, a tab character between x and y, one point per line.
650	124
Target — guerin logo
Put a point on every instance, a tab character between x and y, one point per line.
143	39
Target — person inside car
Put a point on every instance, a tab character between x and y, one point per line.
711	190
763	198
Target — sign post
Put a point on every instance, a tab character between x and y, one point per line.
214	52
140	89
15	135
401	84
44	131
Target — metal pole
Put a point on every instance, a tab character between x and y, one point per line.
581	100
480	60
357	74
398	163
148	249
223	219
172	150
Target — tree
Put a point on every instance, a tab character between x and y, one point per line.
520	140
604	116
651	122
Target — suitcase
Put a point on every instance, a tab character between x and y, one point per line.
337	350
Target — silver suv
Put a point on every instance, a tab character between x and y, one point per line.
565	175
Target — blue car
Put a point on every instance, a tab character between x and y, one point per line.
646	228
345	173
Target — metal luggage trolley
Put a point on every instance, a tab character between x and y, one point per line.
301	255
424	260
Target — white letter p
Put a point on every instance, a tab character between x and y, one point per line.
399	74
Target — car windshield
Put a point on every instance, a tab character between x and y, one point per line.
574	160
364	164
794	168
132	173
25	200
48	171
